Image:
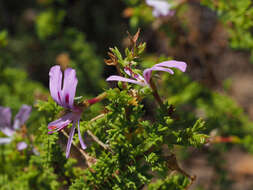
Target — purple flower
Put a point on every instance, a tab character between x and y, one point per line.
145	79
160	7
63	94
21	146
9	129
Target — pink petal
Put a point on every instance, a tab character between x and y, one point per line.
128	71
80	137
156	13
119	78
69	87
22	116
59	124
157	68
5	121
8	131
21	146
6	140
147	72
5	116
161	7
173	64
55	83
70	140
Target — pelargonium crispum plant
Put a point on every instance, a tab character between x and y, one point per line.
125	147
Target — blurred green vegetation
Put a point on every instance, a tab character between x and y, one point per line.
237	16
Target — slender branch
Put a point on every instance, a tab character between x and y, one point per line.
97	117
193	178
173	164
89	159
94	137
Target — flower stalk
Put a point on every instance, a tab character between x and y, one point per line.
87	103
155	93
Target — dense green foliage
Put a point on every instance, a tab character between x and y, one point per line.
136	145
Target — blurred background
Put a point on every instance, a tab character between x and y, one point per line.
215	39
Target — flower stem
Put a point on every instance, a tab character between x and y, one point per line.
155	93
89	159
87	103
99	98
